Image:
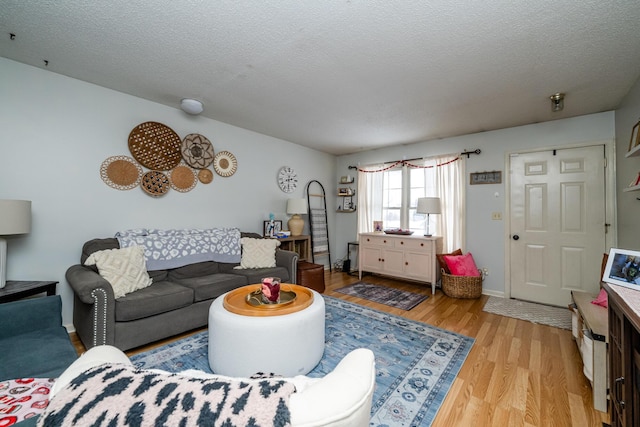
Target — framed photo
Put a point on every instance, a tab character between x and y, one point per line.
377	226
623	268
271	228
493	177
635	139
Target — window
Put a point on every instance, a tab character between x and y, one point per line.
390	193
402	187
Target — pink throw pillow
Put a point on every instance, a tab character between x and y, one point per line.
602	299
462	265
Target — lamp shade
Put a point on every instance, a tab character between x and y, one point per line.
296	206
428	205
15	217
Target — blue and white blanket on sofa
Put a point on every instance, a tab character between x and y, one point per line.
165	249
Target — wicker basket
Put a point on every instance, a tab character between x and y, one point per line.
461	286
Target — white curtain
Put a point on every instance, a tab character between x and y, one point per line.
450	187
448	172
369	197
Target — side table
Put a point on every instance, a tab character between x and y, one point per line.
18	289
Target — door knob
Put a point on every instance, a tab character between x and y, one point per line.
516	237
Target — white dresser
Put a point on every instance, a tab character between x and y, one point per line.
406	257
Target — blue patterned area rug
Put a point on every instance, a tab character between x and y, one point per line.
416	363
384	295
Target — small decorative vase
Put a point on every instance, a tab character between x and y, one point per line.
270	290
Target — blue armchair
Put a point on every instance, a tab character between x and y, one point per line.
33	341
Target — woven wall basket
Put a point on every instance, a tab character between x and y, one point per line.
197	151
183	178
155	146
155	183
121	172
461	286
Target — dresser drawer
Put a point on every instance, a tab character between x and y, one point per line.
413	244
377	240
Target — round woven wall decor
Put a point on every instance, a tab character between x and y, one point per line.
155	183
155	146
121	172
225	164
197	151
205	176
183	178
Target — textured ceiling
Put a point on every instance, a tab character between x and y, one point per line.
342	76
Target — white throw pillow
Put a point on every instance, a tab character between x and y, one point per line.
125	269
258	253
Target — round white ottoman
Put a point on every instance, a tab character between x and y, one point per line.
288	345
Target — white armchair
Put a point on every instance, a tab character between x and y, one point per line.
342	398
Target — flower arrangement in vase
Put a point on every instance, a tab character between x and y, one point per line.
270	290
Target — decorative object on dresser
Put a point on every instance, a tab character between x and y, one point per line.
428	205
623	268
15	218
406	257
296	207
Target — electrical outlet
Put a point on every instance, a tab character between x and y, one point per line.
485	271
496	216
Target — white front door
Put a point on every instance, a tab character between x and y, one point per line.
557	223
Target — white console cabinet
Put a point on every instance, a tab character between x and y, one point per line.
405	257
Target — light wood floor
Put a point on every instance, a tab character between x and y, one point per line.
517	373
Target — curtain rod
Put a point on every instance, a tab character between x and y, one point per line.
464	153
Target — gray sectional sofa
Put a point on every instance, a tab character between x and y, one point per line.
176	302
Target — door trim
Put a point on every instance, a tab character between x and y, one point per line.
611	237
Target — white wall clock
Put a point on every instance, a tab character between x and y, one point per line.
287	179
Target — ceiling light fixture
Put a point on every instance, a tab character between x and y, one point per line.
191	106
557	102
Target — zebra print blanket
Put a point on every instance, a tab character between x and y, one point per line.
121	395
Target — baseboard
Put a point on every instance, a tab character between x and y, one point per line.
493	293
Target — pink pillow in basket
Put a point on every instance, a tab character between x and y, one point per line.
462	265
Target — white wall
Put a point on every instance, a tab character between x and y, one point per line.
627	115
486	239
55	132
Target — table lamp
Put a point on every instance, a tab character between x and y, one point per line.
15	218
296	207
428	205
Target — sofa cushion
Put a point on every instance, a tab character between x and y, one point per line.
212	286
198	269
124	269
258	253
255	275
158	298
